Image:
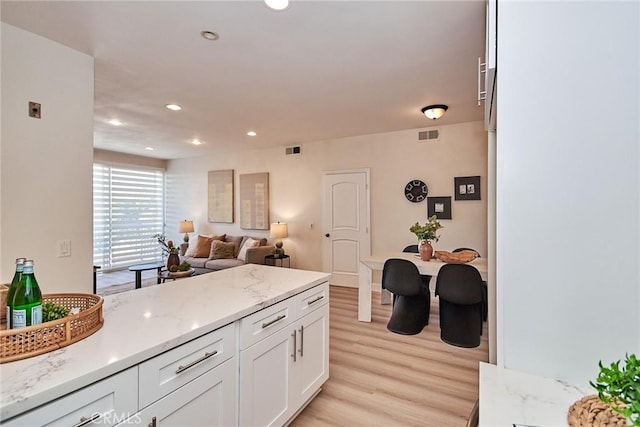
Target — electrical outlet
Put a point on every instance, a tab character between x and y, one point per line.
64	248
34	110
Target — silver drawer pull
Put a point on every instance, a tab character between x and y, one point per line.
86	421
301	341
153	422
277	319
195	362
295	345
315	300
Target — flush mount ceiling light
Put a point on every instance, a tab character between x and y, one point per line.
209	35
173	107
251	133
148	148
196	142
435	111
277	4
115	122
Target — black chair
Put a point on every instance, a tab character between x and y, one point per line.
411	304
485	308
460	291
425	278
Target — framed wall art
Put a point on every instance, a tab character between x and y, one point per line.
439	206
254	201
467	187
220	196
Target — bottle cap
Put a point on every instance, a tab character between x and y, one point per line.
20	260
28	263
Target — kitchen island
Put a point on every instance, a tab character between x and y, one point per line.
157	342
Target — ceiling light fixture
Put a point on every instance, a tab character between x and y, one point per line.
277	4
173	107
115	122
435	111
209	35
251	133
196	142
148	148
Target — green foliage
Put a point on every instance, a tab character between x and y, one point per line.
166	245
52	311
615	384
428	230
184	266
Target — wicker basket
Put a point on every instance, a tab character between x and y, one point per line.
16	344
593	412
461	257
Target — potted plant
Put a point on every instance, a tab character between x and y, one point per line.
169	250
620	387
426	234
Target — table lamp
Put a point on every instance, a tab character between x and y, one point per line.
185	227
279	231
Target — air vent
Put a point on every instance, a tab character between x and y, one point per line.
292	150
429	135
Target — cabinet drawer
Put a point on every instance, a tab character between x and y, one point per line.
105	403
170	370
312	298
263	323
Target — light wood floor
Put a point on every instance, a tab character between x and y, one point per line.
378	378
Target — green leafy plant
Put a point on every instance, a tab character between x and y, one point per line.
617	385
52	311
166	245
184	266
428	230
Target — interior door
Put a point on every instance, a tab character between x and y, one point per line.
345	224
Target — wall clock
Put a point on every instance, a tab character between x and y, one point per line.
416	191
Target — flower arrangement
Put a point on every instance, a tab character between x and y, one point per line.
166	245
620	387
428	230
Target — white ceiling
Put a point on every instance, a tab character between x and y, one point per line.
318	70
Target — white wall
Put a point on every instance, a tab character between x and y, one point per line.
295	188
46	164
568	186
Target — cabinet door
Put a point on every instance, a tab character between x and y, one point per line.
265	380
104	403
209	400
312	366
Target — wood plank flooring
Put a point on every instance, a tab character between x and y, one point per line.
378	378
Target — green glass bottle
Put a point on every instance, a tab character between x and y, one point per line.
26	307
12	288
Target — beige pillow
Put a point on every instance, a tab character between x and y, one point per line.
203	247
248	243
222	250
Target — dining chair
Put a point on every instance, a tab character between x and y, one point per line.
426	279
411	304
485	307
461	298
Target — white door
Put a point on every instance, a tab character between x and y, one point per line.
345	224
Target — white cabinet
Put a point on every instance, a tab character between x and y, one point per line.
105	403
282	371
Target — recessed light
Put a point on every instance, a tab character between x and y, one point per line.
209	35
148	148
251	133
277	4
115	122
174	107
196	142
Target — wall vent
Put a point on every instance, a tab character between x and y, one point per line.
429	135
292	150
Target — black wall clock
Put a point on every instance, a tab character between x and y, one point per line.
416	191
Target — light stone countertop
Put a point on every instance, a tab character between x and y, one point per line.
509	397
143	323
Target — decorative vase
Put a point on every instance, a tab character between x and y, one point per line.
426	250
173	259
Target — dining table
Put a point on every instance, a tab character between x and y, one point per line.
376	262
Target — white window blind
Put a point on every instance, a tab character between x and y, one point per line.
128	209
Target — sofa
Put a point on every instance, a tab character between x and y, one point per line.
211	253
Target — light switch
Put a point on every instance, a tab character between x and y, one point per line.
64	248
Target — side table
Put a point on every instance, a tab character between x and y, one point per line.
271	260
165	275
138	269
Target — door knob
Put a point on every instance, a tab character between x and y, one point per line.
327	235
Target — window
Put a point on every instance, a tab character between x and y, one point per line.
128	209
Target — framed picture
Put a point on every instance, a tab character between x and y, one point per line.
467	187
254	201
439	206
220	196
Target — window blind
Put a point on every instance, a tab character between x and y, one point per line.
128	209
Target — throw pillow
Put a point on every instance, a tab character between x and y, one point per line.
248	243
237	241
203	247
222	250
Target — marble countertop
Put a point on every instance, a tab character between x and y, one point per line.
142	323
509	397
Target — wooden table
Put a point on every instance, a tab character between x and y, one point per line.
376	262
138	269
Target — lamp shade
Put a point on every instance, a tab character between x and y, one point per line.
185	226
279	230
435	111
